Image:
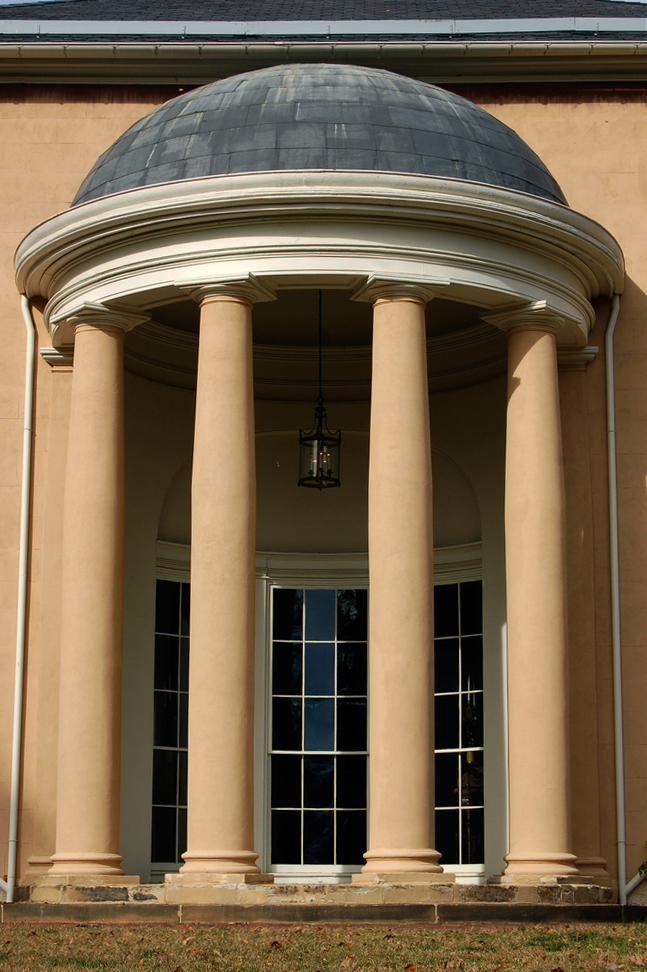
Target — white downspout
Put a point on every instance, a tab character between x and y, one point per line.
615	605
21	626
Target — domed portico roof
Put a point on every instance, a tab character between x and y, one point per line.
318	116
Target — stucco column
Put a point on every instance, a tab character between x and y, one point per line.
223	535
87	821
401	738
540	844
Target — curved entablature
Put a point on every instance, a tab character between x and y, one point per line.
484	246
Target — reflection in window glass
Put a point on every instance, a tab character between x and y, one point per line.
170	707
458	706
319	685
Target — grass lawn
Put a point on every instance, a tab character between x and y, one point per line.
323	948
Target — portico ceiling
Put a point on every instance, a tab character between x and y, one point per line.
462	349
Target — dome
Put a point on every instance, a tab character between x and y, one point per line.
318	116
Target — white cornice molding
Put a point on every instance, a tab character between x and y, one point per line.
491	246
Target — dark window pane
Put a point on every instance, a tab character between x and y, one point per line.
286	668
351	724
447	835
165	776
288	614
446	665
319	719
184	720
445	610
286	781
184	664
472	778
472	663
447	779
472	719
320	615
185	610
320	670
181	832
446	707
167	607
286	724
166	658
351	781
182	780
351	615
471	608
286	836
351	669
165	719
318	837
318	781
473	837
351	836
163	835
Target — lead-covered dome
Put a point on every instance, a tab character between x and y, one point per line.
318	116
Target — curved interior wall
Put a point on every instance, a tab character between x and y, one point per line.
468	436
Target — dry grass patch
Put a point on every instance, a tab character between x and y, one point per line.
322	948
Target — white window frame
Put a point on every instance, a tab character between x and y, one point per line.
451	565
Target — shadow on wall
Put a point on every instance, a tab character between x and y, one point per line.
293	519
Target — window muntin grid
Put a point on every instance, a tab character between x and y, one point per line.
168	832
318	754
458	701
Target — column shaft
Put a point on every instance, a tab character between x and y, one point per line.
536	609
401	596
221	679
87	828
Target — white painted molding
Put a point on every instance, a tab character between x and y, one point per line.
532	314
246	285
577	356
58	358
392	285
492	247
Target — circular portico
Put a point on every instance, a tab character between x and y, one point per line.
405	198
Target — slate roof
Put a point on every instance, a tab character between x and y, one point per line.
318	116
249	10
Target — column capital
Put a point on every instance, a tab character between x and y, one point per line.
530	315
576	357
247	287
98	315
386	285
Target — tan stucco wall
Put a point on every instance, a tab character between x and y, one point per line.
592	142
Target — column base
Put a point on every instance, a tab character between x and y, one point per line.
539	868
85	865
396	866
595	868
220	867
37	867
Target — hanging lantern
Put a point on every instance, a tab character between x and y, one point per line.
319	448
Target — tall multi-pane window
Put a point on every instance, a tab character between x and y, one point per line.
168	840
318	726
459	722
